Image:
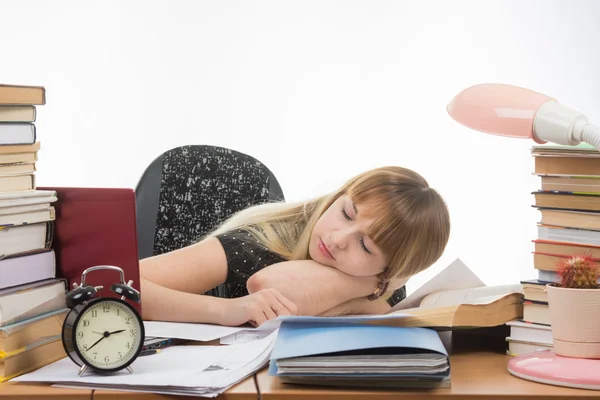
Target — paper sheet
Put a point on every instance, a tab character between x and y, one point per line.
455	276
199	370
188	331
169	367
178	392
245	336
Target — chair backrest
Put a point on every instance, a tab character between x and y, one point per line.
187	191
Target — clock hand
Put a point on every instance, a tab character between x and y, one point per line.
97	341
104	335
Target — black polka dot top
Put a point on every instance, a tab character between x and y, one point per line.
245	257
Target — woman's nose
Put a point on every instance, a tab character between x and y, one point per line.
339	239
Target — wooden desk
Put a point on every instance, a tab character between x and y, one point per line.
26	391
245	390
476	375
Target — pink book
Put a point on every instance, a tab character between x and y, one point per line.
27	268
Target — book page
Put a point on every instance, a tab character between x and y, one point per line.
480	295
455	276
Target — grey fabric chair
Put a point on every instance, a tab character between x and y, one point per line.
187	191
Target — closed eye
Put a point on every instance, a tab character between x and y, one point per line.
362	240
345	214
362	243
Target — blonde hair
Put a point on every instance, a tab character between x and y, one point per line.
411	221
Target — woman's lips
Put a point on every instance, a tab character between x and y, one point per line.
324	250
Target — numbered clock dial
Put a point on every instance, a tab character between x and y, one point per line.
108	335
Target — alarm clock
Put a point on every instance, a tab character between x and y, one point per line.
102	334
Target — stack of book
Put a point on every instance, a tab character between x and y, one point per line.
568	201
32	298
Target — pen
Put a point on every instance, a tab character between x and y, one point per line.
149	352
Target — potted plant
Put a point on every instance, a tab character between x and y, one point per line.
574	305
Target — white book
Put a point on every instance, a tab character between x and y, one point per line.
16	271
529	332
569	235
27	301
17	194
17	169
17	113
25	238
30	217
517	347
26	197
24	209
14	133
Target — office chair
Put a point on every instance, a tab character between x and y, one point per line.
188	190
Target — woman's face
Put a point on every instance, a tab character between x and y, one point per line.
340	240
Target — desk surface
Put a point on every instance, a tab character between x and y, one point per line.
245	390
23	391
478	375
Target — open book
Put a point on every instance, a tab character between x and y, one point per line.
454	298
475	307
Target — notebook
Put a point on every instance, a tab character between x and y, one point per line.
96	226
359	355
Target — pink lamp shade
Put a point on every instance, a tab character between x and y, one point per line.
498	109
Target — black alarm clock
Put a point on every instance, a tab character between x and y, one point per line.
102	334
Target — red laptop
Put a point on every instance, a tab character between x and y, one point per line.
96	226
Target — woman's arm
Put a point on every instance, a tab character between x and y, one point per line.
358	307
314	280
313	287
165	304
172	283
160	303
193	269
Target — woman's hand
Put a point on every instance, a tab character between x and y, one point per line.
257	308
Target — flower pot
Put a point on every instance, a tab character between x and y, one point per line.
575	321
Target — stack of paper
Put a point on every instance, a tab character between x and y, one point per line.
184	370
359	355
394	364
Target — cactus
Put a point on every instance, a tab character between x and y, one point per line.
578	272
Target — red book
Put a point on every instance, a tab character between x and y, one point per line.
96	226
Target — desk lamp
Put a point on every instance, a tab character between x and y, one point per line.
513	111
508	110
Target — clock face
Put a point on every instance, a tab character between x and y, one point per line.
108	335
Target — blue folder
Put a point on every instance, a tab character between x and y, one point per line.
298	339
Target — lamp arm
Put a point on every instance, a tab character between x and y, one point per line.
591	135
558	124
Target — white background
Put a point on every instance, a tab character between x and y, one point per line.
317	90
